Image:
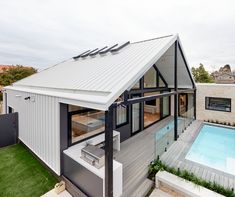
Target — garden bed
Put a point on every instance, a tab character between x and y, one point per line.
157	165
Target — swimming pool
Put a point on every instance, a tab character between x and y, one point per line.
214	147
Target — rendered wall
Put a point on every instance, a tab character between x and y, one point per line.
215	90
38	125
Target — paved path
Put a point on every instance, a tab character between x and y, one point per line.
159	193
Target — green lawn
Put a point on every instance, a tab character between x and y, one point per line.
22	175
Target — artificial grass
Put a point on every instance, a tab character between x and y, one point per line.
22	175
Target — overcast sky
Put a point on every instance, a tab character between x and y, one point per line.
41	33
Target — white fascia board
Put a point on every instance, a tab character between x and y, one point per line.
91	105
89	101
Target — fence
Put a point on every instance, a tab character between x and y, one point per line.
165	136
8	129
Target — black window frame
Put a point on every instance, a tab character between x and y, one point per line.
221	110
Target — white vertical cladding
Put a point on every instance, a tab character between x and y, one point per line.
4	104
38	125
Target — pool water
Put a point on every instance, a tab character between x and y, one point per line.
214	147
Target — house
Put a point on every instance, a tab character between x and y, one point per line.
216	103
224	75
101	98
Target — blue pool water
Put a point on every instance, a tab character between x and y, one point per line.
214	147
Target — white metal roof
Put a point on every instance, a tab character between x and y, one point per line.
101	79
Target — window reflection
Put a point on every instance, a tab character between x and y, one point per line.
85	122
150	78
151	110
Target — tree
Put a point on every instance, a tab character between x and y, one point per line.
200	75
15	73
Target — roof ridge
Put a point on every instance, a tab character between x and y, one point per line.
153	39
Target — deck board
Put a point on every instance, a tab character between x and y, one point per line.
136	154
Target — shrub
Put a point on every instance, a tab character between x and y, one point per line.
157	165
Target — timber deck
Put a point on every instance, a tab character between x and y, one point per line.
136	154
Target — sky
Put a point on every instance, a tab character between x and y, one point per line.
41	33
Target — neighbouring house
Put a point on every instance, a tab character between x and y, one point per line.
216	102
77	115
224	75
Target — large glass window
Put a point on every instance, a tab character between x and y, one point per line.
150	78
161	82
151	110
85	122
218	104
136	86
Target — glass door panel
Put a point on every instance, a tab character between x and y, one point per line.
135	116
166	109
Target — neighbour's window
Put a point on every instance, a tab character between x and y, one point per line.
85	122
218	104
121	113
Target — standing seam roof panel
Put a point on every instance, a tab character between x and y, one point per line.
98	73
98	81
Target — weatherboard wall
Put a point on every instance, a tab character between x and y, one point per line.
38	125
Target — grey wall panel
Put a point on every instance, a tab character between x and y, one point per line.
125	132
8	129
89	183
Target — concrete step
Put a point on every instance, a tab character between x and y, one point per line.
159	193
72	189
143	188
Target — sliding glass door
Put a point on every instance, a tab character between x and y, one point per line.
135	116
165	106
151	110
